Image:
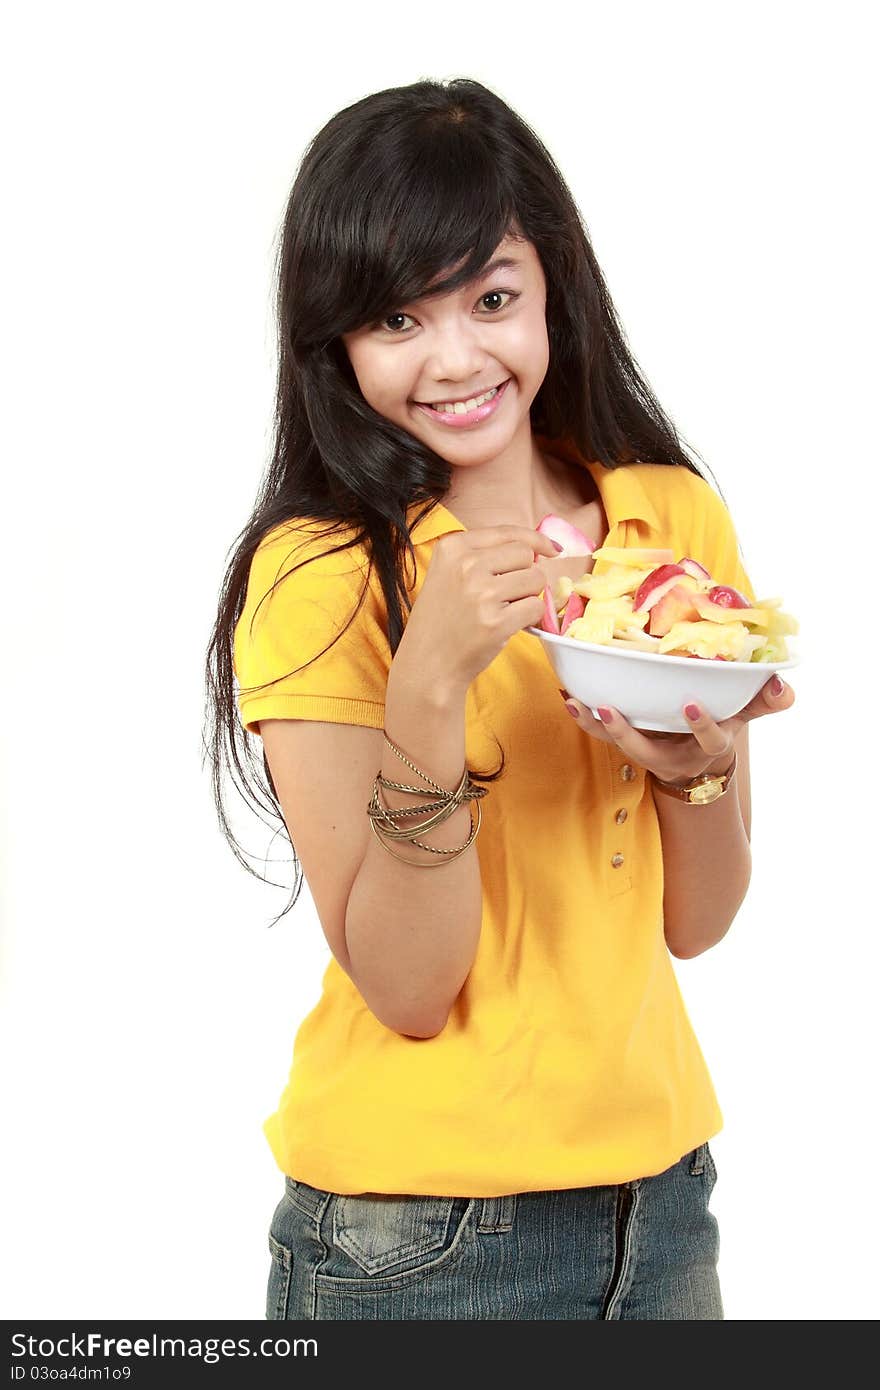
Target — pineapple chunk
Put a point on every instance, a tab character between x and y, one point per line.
781	623
600	618
620	579
633	637
621	555
704	638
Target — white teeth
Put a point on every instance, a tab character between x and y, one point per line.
462	407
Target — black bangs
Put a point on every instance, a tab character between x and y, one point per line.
421	213
437	222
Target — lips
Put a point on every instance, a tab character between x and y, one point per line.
472	395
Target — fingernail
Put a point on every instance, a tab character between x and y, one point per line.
777	686
557	545
605	714
563	693
692	711
572	709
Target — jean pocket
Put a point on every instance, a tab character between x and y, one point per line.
278	1288
374	1236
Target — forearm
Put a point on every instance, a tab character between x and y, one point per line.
412	932
707	864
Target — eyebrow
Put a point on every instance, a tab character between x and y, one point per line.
500	263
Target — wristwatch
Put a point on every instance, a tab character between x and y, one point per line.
699	791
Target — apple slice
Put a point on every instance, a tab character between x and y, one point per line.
550	621
658	583
728	597
675	606
717	613
620	555
573	541
574	609
694	568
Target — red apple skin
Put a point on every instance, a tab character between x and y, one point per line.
573	609
727	597
694	568
549	622
675	607
657	576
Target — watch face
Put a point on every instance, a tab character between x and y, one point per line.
709	791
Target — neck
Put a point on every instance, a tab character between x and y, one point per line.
517	487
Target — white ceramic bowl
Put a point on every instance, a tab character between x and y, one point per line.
651	690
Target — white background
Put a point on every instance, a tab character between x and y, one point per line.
722	159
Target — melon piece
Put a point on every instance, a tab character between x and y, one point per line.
573	541
773	649
674	606
621	555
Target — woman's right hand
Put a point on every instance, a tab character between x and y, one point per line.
481	587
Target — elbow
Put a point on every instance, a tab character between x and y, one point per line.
420	1021
691	941
418	1028
690	951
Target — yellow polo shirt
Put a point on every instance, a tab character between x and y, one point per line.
568	1058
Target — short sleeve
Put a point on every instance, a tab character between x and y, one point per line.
715	544
299	601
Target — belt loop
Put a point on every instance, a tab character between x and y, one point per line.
698	1161
497	1213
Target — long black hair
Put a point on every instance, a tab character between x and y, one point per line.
390	193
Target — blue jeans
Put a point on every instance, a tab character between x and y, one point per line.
644	1250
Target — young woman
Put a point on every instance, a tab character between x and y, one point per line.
497	1108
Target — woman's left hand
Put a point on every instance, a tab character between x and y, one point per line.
708	747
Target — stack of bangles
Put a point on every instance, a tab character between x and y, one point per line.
384	819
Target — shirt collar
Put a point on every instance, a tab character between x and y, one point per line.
623	495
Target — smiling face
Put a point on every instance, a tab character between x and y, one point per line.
455	348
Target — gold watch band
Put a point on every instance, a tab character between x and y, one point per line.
700	791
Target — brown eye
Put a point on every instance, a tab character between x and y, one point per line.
496	294
388	320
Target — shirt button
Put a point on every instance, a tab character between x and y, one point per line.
616	860
621	816
627	772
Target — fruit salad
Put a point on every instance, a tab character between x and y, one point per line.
646	600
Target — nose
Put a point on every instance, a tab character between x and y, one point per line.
457	358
